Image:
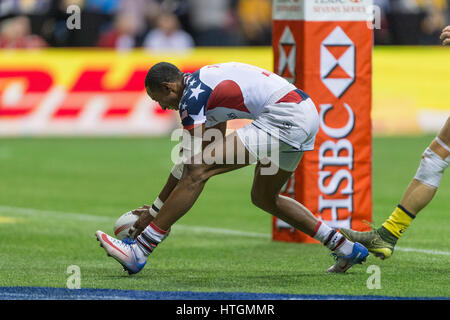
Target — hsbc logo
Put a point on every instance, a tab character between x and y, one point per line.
337	72
337	62
287	54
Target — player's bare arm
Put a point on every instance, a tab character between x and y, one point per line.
196	173
147	213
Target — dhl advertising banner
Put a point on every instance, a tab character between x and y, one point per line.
324	47
93	92
101	92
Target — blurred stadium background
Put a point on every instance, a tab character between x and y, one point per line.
409	74
60	82
126	24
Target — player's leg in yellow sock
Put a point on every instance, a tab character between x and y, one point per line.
396	224
418	195
422	188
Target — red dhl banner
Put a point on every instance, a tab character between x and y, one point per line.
38	89
93	92
325	48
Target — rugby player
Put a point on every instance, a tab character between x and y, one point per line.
418	194
285	124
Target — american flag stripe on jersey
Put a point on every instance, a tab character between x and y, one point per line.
295	96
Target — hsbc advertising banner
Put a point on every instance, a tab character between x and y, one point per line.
324	47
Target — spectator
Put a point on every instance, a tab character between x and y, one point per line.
122	36
433	21
139	11
213	22
381	30
168	35
16	33
103	6
97	17
404	21
255	17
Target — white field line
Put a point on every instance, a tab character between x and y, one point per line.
227	232
198	229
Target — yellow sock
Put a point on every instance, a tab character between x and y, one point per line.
398	221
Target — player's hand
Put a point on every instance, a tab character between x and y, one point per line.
143	221
445	36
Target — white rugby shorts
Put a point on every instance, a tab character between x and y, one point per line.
282	132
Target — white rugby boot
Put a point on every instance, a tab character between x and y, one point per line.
343	263
126	253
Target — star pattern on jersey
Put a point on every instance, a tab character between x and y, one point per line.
191	81
200	116
194	101
196	91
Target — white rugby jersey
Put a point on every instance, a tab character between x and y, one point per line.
226	91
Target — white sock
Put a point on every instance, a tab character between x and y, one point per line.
333	239
140	255
149	239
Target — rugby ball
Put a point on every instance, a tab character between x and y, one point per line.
123	225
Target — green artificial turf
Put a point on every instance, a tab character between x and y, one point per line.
56	192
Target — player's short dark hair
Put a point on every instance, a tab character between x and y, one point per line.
159	73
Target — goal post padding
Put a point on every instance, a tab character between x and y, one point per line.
325	48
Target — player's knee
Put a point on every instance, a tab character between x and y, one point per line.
263	201
441	147
195	174
431	168
255	196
